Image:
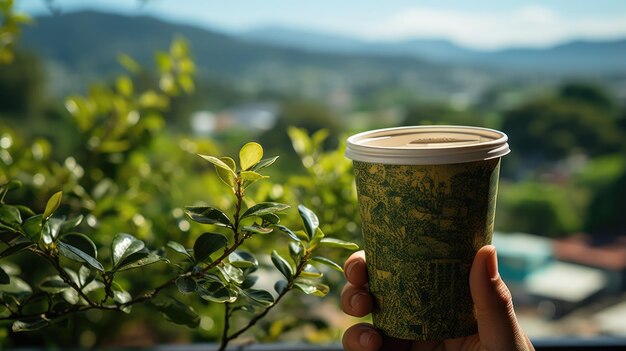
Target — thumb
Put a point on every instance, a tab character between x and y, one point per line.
497	324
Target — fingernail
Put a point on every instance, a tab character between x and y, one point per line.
355	299
350	268
366	338
492	266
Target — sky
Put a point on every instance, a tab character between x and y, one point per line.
479	24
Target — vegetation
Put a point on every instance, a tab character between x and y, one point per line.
127	174
215	269
105	207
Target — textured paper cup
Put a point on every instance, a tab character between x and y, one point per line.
427	198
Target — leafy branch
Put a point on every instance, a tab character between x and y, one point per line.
215	269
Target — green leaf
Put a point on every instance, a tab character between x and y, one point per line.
15	248
264	163
208	215
139	259
113	146
25	211
249	155
124	245
179	313
317	238
186	82
32	228
264	208
71	223
257	229
280	286
4	277
75	254
50	231
287	231
295	251
305	287
310	220
311	272
283	266
311	287
321	290
11	185
178	248
72	297
216	292
16	287
10	217
30	324
129	63
249	281
124	86
53	203
261	296
327	262
226	174
85	276
208	243
242	259
230	163
231	273
82	242
271	218
122	296
251	176
331	242
53	285
186	285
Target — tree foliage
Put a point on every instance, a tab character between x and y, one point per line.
112	211
580	118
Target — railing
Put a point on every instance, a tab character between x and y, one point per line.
552	344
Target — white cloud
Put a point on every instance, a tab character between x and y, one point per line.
529	25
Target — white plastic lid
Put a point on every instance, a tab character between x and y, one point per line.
427	145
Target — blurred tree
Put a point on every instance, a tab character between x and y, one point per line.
605	179
588	93
437	113
307	115
9	29
579	119
21	87
538	208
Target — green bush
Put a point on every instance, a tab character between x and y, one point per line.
73	219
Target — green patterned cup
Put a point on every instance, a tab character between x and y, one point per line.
427	197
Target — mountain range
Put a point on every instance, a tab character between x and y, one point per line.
574	56
79	46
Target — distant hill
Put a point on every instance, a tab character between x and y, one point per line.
86	44
573	57
313	41
82	46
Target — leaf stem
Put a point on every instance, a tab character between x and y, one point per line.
263	313
63	274
225	339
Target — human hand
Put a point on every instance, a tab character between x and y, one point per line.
498	328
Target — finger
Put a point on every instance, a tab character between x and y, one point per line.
497	323
356	300
361	337
355	268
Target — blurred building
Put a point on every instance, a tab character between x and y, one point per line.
605	254
250	117
561	276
